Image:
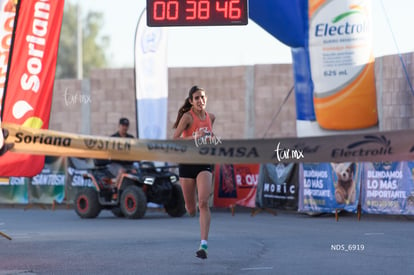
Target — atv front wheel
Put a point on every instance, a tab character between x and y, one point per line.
87	204
176	206
133	202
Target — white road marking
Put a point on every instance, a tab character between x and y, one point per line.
257	268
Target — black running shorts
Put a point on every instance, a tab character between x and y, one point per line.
192	170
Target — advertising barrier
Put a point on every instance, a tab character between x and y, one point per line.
388	188
61	178
76	168
278	186
357	147
235	184
325	187
14	190
46	187
49	186
378	187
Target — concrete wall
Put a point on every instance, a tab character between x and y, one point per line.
94	105
396	95
112	95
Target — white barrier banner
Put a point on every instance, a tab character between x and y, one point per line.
380	146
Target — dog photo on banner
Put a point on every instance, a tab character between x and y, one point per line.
325	187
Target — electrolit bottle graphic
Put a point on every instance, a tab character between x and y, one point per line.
342	64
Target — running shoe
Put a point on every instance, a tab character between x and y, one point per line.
202	252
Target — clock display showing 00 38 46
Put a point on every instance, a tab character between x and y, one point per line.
164	13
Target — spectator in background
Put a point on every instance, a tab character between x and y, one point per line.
123	129
117	165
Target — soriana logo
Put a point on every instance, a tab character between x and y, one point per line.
30	83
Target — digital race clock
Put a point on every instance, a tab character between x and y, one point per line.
161	13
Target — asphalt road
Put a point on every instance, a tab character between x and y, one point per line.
59	242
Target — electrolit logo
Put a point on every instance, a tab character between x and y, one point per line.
357	149
339	27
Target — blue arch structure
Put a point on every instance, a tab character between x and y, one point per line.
287	21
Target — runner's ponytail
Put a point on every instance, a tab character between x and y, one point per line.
184	109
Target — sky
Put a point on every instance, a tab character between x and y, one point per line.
236	45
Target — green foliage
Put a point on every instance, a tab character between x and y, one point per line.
94	45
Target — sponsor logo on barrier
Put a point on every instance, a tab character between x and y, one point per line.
78	179
42	139
279	191
286	153
49	179
356	150
306	149
166	147
12	181
17	181
245	178
237	152
207	139
99	144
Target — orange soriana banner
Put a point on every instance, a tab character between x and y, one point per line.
29	85
7	17
236	184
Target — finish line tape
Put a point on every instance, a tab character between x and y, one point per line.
378	146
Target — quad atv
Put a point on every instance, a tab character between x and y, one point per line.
127	194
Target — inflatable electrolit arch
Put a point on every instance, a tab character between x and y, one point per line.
333	62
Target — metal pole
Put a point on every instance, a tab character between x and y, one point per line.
249	125
79	43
